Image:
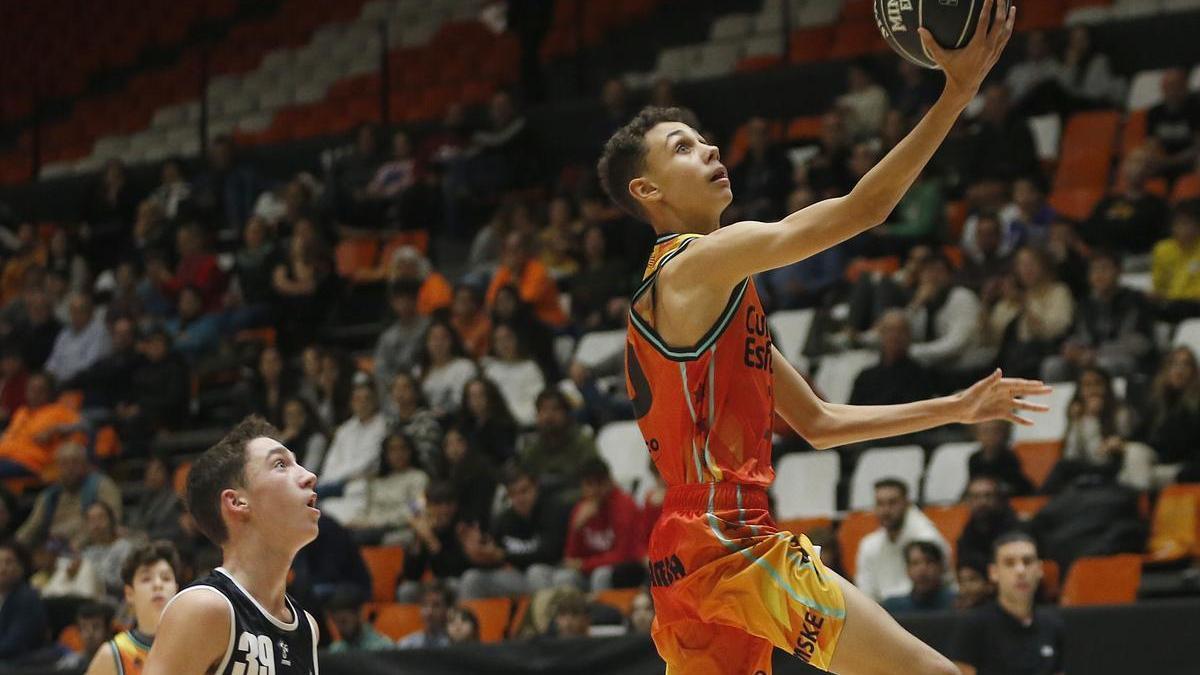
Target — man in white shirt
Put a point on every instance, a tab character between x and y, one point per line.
881	568
81	343
357	444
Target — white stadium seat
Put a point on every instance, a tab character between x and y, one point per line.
946	476
731	27
1146	90
599	347
1188	335
1133	9
1138	281
789	332
902	462
809	13
835	376
806	484
1194	79
764	45
621	445
1050	425
1047	131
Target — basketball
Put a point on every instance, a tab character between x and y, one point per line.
952	23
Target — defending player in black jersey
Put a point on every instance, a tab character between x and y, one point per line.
248	495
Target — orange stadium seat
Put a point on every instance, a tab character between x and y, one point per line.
519	611
950	521
855	39
1051	580
810	44
1175	525
396	620
355	254
1040	15
385	563
1187	187
805	127
1076	203
1038	459
854	527
754	63
179	480
1028	507
493	615
1108	580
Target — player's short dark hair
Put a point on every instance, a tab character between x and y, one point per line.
895	483
148	554
1011	537
927	548
595	468
624	155
221	467
95	610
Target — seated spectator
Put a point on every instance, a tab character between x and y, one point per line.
103	382
917	218
437	547
571	616
865	102
23	627
352	172
13	381
472	476
36	330
225	190
826	172
881	567
81	342
535	335
197	267
409	412
1099	426
462	626
1172	416
991	516
1113	329
378	509
104	547
36	429
471	323
985	261
194	332
974	588
505	153
518	377
107	212
1027	219
998	141
1011	635
926	566
1069	255
604	541
558	242
331	561
436	601
873	294
1129	218
394	177
942	316
334	382
151	233
345	610
805	283
534	283
268	389
302	432
58	511
558	449
996	459
95	623
1176	265
150	575
158	397
155	515
1039	67
1087	74
61	572
1043	310
486	421
1173	127
173	191
524	547
898	378
916	90
434	291
762	176
400	343
250	297
602	281
357	444
305	288
444	368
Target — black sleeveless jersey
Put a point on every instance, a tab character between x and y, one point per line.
259	643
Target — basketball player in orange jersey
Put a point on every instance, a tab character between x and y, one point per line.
705	382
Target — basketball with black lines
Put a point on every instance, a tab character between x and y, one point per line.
952	23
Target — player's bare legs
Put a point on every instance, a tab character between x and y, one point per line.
872	643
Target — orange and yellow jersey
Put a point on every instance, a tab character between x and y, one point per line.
705	410
130	652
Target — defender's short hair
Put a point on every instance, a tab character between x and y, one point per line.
624	156
148	554
221	467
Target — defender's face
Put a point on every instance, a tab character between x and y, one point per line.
685	169
280	493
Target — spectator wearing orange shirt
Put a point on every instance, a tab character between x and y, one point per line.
27	446
30	253
534	283
435	293
471	323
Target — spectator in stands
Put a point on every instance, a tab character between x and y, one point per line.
22	615
898	378
558	449
1176	265
1069	255
195	333
926	567
985	261
226	190
106	216
173	191
301	430
36	429
248	302
517	376
331	561
1099	426
378	509
916	91
1011	635
13	380
1000	143
334	382
571	616
470	322
58	512
505	152
1029	216
399	344
105	547
103	381
434	293
28	259
558	243
808	282
352	173
991	516
917	218
525	544
158	397
155	514
95	623
604	541
529	275
662	93
865	102
487	422
437	547
462	626
151	232
881	562
396	176
409	412
1173	127
304	284
600	289
357	444
1087	73
1113	327
63	258
995	459
614	104
874	293
1036	76
37	330
1172	416
269	388
536	335
436	601
472	476
942	316
974	589
763	176
197	267
444	368
1129	218
1042	309
344	609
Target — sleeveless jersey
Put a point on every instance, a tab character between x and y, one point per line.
705	410
130	652
259	643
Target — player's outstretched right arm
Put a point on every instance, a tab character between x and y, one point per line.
193	635
732	253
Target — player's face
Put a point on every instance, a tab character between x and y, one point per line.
280	493
1016	570
153	585
685	170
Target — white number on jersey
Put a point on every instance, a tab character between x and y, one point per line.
259	656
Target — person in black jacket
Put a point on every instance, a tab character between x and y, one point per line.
991	516
22	615
103	381
995	458
438	547
331	561
526	542
157	396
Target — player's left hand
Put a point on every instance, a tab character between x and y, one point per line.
996	397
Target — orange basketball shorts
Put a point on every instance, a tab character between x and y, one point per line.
729	586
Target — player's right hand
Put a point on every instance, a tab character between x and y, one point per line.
967	67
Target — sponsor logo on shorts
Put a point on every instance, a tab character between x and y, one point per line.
666	571
810	635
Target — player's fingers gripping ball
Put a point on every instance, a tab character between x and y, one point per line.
952	22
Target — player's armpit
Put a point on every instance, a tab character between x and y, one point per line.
104	662
193	635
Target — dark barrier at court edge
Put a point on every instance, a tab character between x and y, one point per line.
1150	638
